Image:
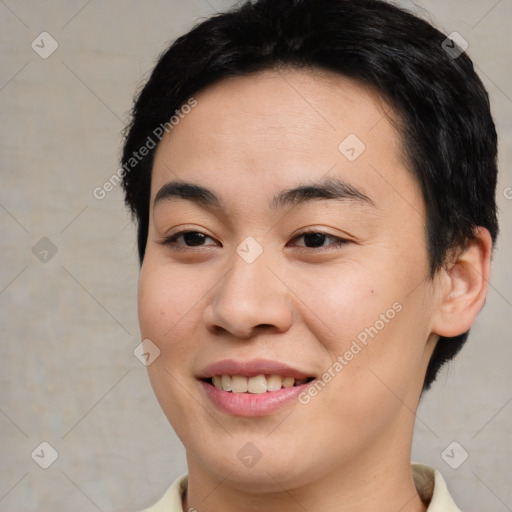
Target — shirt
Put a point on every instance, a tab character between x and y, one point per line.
429	483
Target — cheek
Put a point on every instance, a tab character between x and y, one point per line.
169	300
382	363
362	293
341	301
370	319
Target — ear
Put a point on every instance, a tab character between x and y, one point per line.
463	282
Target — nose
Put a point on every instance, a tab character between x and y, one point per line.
249	299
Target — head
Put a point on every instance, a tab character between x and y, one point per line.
344	119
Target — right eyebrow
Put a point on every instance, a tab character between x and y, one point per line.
190	191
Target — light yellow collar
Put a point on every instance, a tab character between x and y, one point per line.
429	483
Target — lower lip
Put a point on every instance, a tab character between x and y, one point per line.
251	404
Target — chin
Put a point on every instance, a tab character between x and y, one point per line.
273	468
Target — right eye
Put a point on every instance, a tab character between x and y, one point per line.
185	239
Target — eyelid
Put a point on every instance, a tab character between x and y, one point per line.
322	231
339	240
169	240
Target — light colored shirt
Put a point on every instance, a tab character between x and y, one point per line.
429	483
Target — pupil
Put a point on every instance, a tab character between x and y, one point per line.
314	239
194	238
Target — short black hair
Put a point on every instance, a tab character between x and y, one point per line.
448	134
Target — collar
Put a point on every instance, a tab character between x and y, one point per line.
429	483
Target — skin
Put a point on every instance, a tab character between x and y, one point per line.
248	139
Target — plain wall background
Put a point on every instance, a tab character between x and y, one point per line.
69	325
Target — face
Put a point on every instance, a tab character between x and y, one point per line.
285	281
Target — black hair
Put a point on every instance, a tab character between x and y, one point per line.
448	134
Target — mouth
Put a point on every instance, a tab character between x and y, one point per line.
252	388
255	385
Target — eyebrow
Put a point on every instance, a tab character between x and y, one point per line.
330	188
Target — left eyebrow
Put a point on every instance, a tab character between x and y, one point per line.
329	188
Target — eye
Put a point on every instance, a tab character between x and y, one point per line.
316	239
189	239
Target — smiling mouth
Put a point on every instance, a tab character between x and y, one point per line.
256	385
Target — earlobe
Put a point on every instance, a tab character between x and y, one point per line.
464	284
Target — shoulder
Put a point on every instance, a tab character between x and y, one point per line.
433	489
171	500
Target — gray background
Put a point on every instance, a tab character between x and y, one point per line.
69	325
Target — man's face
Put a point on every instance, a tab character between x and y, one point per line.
307	258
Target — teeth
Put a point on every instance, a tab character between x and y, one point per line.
274	382
288	382
238	384
226	383
255	385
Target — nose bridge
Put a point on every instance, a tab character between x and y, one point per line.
249	295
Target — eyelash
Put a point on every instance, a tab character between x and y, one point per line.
171	241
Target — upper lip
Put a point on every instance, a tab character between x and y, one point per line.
251	368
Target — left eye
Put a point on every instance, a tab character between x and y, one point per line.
315	240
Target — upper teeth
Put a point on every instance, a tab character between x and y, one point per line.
256	385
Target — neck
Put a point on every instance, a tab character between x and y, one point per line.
375	484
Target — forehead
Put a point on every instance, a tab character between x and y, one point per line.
277	128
